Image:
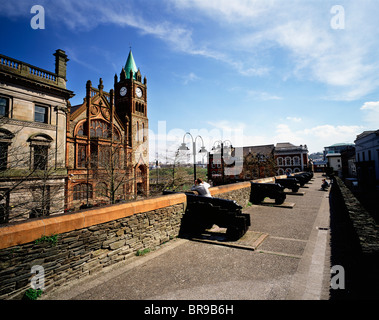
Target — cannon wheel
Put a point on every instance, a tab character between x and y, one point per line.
295	189
237	229
257	199
280	199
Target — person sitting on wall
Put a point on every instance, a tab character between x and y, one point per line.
324	184
202	188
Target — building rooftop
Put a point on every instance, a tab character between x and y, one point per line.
130	65
284	146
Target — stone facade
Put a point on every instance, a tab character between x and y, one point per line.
32	138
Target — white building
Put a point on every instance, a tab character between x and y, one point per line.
335	161
367	156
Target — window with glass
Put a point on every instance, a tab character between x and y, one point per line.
100	129
4	107
40	157
82	156
80	191
3	155
40	114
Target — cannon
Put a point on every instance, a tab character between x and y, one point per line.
259	191
289	183
303	177
203	212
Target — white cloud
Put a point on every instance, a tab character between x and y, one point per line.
191	77
344	60
261	95
371	113
294	119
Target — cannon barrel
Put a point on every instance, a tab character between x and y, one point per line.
289	183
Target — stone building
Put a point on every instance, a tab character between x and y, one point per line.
290	158
241	164
367	158
33	106
107	142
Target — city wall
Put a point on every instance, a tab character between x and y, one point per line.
72	246
354	244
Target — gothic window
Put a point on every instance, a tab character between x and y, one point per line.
100	129
101	189
104	156
80	191
116	135
81	129
81	162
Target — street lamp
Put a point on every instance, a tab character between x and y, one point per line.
221	145
183	147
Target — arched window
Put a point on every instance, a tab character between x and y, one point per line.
100	129
280	161
296	161
288	161
137	133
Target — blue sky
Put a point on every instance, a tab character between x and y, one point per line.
251	71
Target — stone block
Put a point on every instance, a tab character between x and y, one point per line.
117	244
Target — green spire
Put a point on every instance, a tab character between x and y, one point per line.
130	65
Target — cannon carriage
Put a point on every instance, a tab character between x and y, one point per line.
259	191
204	212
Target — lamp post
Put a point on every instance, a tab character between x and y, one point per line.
221	145
183	147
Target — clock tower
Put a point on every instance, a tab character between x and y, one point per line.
131	107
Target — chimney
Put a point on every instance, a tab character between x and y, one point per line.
60	67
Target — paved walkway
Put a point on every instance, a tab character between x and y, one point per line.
292	262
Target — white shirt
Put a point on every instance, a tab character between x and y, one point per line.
202	189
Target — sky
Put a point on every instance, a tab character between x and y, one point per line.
251	72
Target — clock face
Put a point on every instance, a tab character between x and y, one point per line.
139	92
123	91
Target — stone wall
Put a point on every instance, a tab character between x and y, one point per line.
93	240
354	244
90	240
239	192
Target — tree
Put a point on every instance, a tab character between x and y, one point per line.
31	178
112	177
